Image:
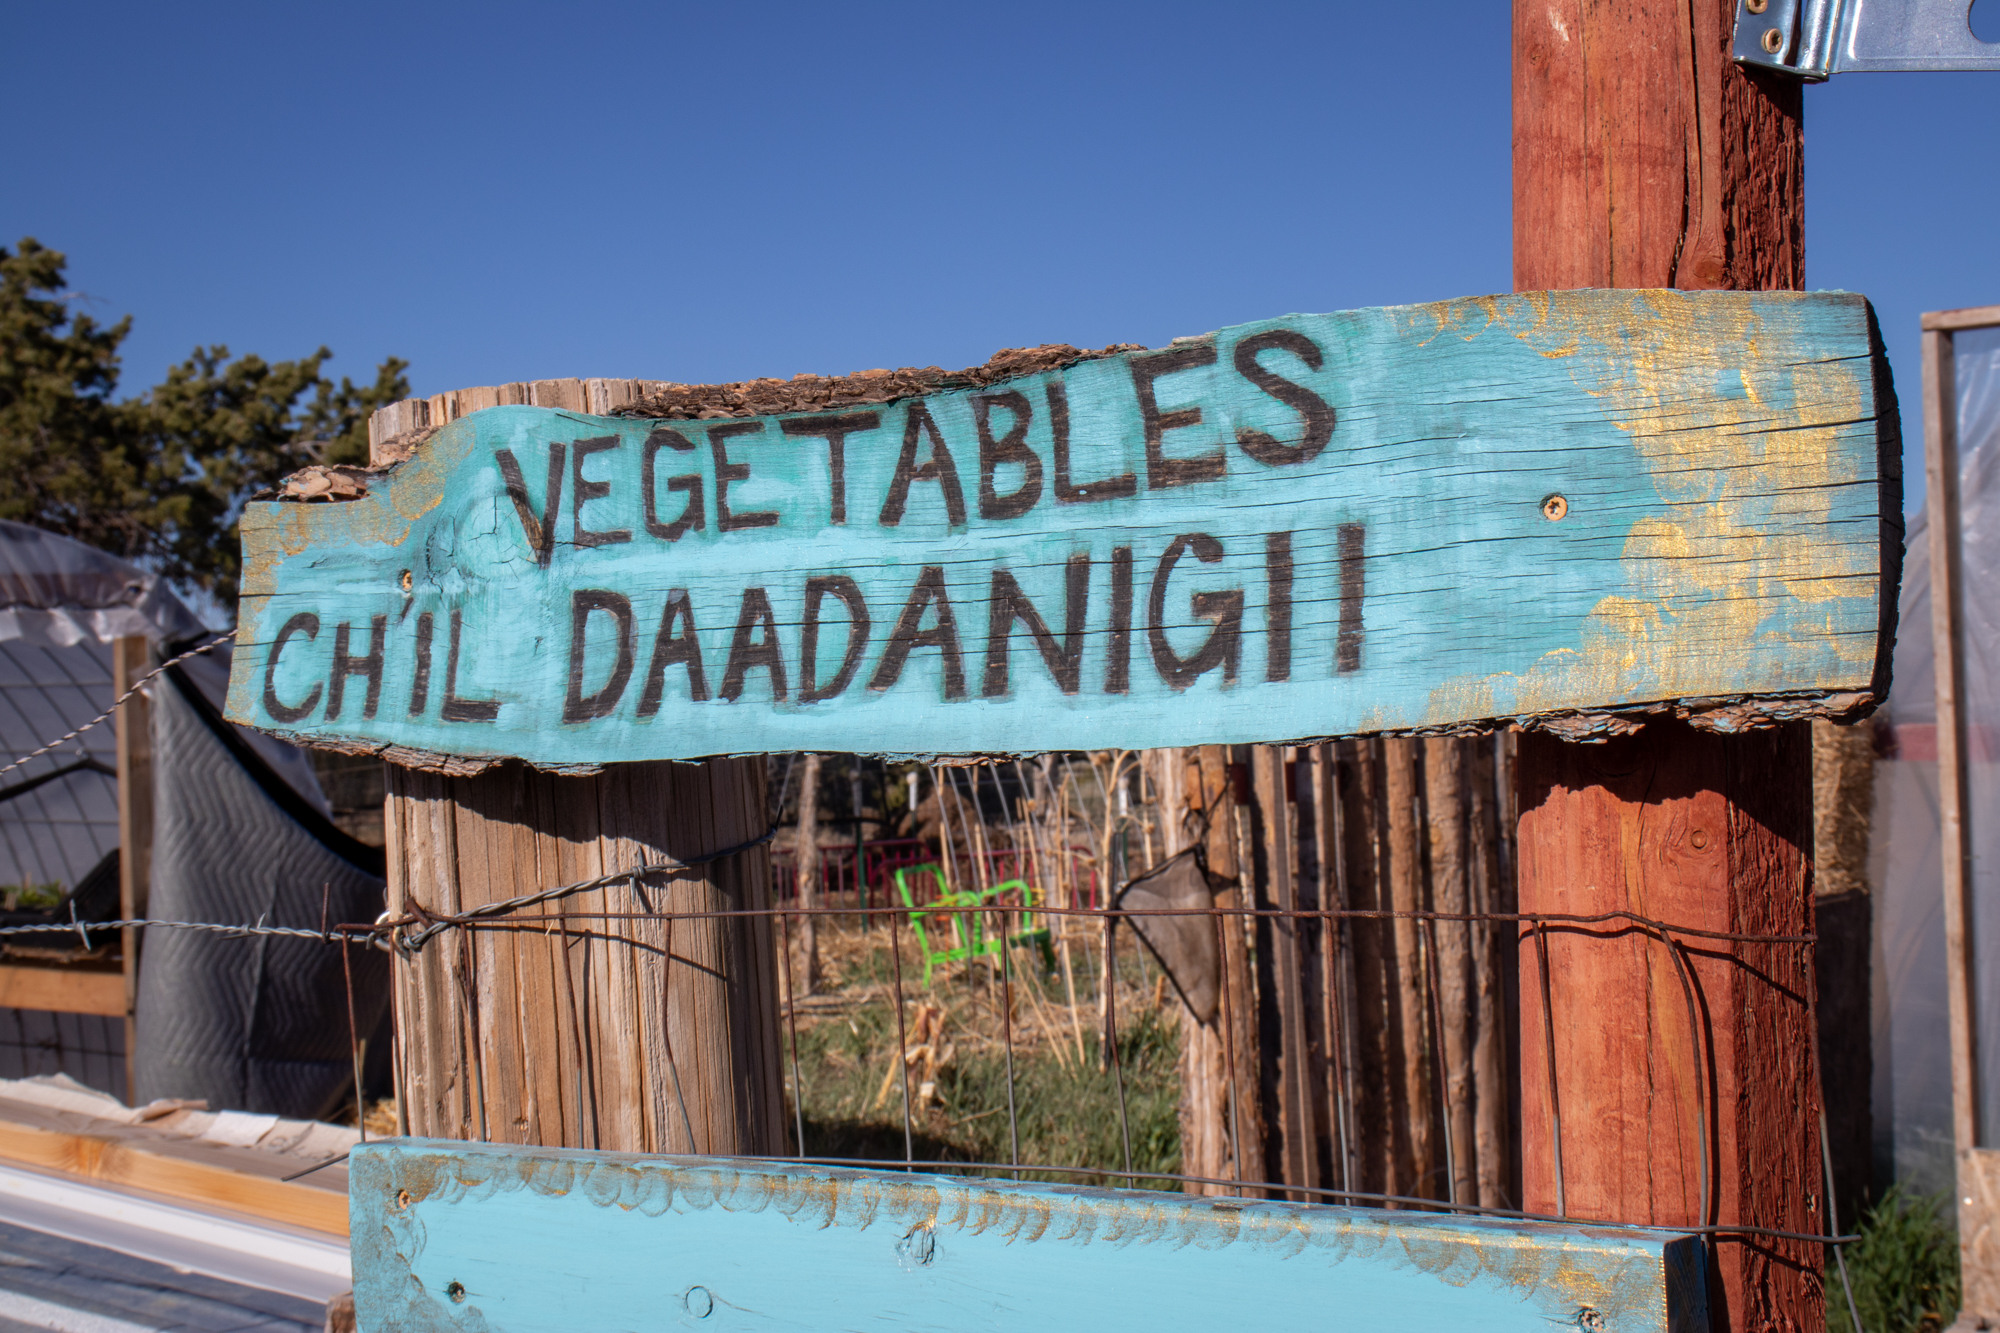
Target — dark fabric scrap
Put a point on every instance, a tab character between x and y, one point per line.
1185	946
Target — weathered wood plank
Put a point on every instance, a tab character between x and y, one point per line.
460	1235
1381	520
168	1168
63	989
1972	317
131	658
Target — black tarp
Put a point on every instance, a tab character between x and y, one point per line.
253	1024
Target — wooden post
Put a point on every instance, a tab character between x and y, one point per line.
1373	1032
1492	1090
1221	1114
1228	824
1297	1092
1843	799
1445	804
131	658
1336	1011
1204	1107
1961	974
1644	158
805	856
1419	1164
616	1033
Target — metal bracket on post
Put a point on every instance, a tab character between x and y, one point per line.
1816	39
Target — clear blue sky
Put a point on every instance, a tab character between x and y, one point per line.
714	192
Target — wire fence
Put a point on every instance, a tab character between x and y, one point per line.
1041	855
864	874
409	934
1667	933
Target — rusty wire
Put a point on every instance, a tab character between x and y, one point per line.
485	921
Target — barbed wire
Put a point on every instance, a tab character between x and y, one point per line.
119	702
435	922
388	930
83	928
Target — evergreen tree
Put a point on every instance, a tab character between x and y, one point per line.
160	478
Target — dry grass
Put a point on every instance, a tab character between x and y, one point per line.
849	1085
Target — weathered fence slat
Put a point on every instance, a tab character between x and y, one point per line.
1374	521
519	1239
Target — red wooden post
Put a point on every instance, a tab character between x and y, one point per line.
1644	158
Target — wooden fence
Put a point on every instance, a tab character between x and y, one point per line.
1368	1054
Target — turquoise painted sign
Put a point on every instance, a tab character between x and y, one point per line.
495	1236
1419	517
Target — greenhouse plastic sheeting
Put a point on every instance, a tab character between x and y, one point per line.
1911	1097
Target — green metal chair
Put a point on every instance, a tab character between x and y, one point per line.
1037	935
966	913
964	927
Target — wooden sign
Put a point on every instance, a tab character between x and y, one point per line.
1543	506
454	1235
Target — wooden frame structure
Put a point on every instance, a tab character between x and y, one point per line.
1978	1164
